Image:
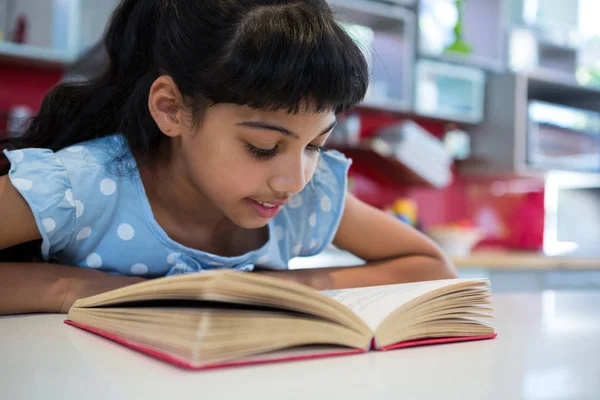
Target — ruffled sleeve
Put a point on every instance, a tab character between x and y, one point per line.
44	183
309	222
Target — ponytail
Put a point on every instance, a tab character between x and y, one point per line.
116	101
265	54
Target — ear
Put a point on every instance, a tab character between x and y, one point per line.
166	107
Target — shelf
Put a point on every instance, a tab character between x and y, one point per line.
385	34
471	60
383	168
561	88
33	55
561	81
403	3
449	117
365	8
386	105
483	29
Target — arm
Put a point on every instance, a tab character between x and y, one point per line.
40	287
395	253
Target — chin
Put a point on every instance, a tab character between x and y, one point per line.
247	221
251	223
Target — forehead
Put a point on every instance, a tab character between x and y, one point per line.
234	113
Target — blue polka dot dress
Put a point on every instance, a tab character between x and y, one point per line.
92	211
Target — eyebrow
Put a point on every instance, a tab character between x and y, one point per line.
278	128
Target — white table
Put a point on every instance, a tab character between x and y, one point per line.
548	348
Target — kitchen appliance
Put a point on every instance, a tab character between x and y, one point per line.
572	214
562	138
449	91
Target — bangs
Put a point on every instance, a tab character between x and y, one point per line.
291	57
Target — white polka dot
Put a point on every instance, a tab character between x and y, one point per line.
74	149
279	232
172	258
45	247
49	224
84	233
325	204
125	231
22	184
69	197
78	208
139	269
94	260
296	201
312	220
263	260
179	268
247	267
296	249
108	186
313	244
18	156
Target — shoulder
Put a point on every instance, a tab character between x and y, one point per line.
67	177
77	159
60	186
310	220
332	169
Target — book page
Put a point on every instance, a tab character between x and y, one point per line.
374	304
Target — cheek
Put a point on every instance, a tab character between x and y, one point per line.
310	167
242	179
224	172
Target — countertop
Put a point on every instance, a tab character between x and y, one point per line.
524	260
498	260
547	348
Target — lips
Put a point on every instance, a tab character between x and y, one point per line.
265	209
265	204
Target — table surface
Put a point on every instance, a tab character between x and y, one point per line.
525	260
548	348
489	259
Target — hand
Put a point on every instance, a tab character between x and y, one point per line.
99	283
317	278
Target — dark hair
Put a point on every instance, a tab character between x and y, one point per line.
267	54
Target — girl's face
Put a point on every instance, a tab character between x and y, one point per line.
249	163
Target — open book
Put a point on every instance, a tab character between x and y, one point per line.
226	318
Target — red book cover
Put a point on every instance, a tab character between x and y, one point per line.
280	356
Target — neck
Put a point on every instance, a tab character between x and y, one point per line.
186	214
178	205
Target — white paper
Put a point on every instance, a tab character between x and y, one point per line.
374	304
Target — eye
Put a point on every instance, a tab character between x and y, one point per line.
261	154
316	149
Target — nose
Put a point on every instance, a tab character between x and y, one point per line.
290	176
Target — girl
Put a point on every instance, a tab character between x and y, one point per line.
200	147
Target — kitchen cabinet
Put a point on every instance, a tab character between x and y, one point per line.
385	33
405	3
483	31
449	91
555	20
553	39
501	145
57	31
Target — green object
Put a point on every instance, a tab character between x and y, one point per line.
459	45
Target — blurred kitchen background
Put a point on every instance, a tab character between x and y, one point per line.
481	126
